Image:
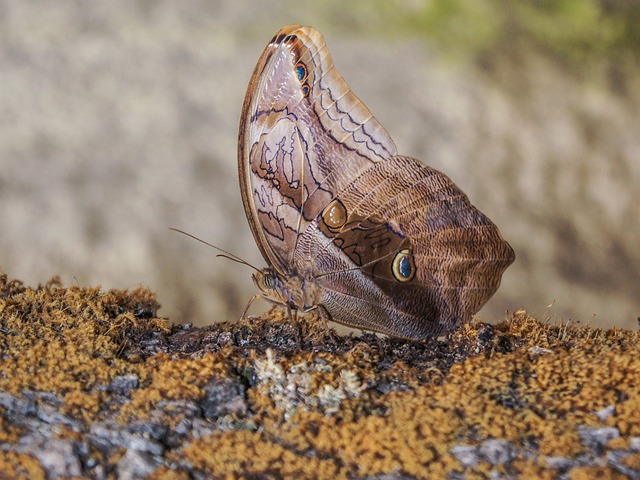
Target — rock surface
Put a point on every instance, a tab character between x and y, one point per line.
94	384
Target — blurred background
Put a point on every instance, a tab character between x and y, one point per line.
120	119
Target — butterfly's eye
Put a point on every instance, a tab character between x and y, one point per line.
269	282
334	215
403	266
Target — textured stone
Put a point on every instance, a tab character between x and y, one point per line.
223	397
497	451
123	384
467	455
597	437
135	464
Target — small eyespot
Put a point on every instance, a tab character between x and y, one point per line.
334	215
305	90
403	266
301	72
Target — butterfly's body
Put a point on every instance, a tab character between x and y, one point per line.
380	241
294	291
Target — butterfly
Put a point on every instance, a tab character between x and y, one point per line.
377	240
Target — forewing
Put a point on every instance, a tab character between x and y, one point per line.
303	136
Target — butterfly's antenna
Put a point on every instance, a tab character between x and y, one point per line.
224	254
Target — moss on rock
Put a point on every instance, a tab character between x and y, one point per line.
93	383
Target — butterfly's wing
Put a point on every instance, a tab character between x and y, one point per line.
303	135
389	244
401	213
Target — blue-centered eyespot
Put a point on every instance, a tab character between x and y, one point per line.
403	266
301	72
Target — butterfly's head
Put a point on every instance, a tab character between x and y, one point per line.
270	285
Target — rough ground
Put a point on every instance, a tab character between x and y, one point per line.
94	385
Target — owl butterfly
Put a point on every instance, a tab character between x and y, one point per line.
378	240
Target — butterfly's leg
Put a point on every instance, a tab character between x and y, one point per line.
244	314
267	299
296	326
324	317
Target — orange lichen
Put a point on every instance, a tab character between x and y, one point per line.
599	472
166	473
82	404
62	339
8	433
243	453
627	417
319	405
174	379
20	466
